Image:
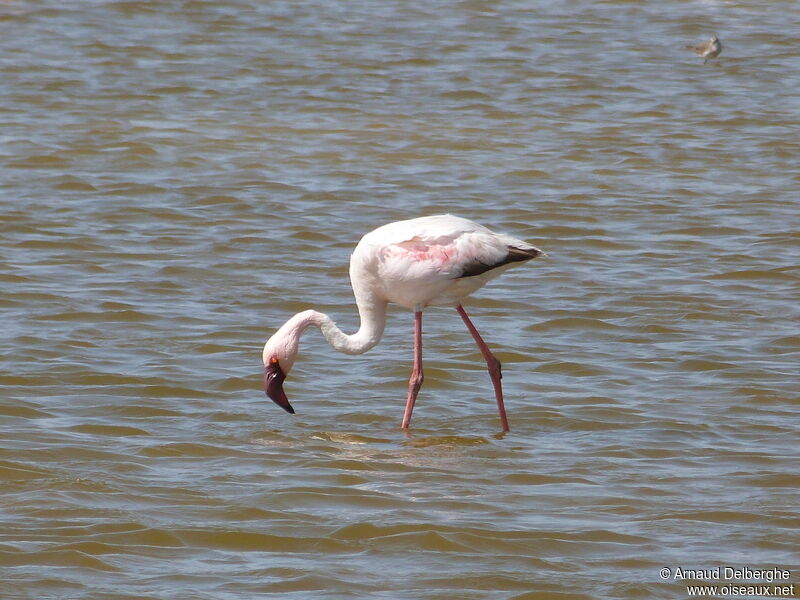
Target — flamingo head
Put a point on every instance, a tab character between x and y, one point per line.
279	354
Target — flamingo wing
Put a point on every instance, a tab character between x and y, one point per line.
435	259
514	255
448	246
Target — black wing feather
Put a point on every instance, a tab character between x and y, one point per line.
514	255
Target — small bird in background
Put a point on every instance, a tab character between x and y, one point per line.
710	49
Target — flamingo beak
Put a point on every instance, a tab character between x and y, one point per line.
273	385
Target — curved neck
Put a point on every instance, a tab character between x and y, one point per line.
373	321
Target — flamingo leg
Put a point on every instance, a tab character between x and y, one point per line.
491	362
415	382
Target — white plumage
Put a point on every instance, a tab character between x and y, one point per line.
420	262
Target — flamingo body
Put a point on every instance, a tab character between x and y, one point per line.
436	260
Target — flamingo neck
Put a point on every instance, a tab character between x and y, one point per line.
373	321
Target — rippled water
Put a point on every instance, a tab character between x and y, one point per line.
178	178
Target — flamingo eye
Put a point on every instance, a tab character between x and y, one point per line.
273	360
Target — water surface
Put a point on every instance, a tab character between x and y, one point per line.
177	179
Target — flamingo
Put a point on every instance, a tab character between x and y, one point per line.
436	260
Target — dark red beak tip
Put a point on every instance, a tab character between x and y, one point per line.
273	386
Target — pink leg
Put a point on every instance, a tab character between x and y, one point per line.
415	382
491	362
